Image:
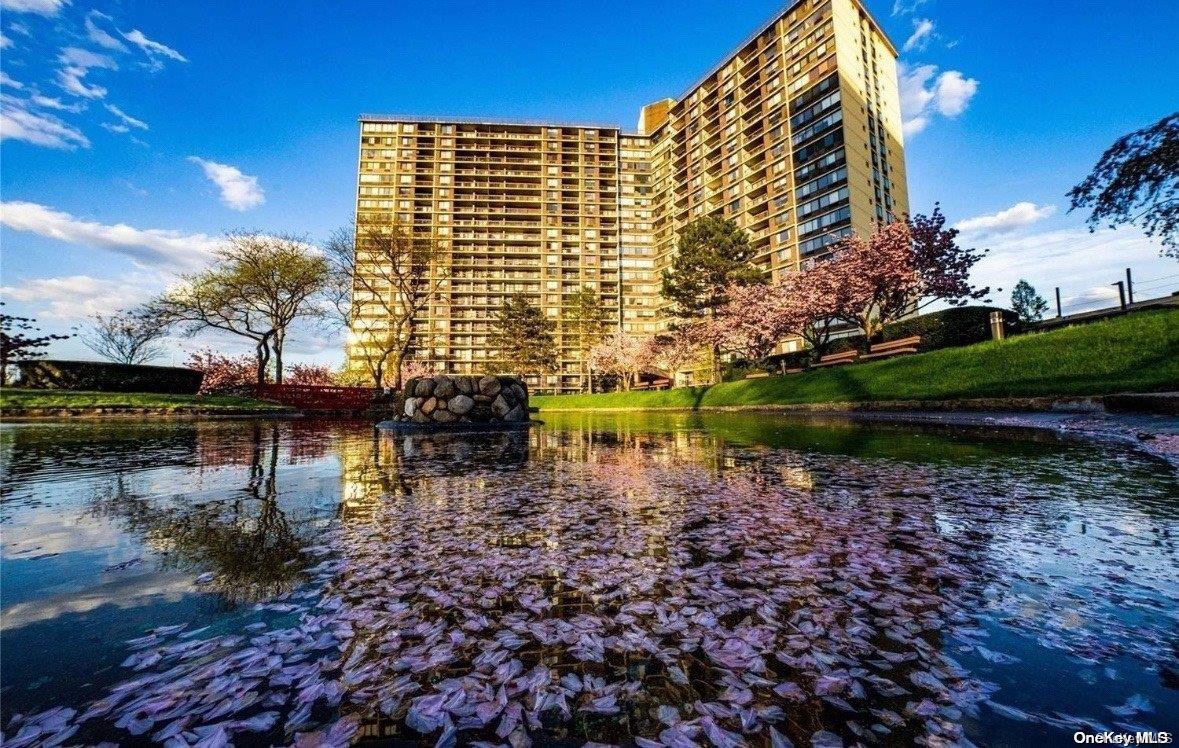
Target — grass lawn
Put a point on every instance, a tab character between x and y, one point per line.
16	400
1134	353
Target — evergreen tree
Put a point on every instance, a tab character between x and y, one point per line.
524	337
713	253
1029	305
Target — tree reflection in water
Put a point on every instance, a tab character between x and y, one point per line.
243	543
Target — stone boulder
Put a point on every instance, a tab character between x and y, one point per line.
446	400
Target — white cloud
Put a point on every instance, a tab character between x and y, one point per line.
149	247
74	297
954	92
1078	262
127	120
1006	221
922	33
925	93
154	50
48	102
11	83
239	191
40	7
76	63
19	28
18	121
5	42
905	7
99	35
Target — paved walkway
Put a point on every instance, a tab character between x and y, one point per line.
1155	434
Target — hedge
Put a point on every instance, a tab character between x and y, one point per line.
101	376
951	328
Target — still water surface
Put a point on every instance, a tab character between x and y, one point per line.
709	579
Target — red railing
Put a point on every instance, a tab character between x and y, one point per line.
312	398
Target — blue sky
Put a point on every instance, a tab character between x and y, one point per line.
135	132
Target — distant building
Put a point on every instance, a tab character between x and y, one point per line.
796	136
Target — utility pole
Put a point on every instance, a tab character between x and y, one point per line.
1129	288
1121	294
1058	314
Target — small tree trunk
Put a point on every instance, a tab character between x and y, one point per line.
278	340
263	354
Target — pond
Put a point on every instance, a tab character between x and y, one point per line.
649	579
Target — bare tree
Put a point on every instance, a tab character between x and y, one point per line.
384	279
126	337
258	285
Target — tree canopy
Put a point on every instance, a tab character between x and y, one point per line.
383	280
523	337
257	286
713	254
1136	181
1026	303
126	337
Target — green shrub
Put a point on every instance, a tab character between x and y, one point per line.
950	328
101	376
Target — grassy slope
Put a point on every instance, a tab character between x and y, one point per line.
16	399
1134	353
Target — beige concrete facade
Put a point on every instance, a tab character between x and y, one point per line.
796	136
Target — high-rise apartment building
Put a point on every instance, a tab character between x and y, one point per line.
796	136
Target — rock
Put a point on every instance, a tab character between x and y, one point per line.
461	405
444	388
411	405
500	406
446	399
489	386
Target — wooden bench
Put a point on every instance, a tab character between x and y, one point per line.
757	375
835	359
901	347
795	370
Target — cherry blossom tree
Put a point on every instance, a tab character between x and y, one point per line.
941	264
623	355
879	278
223	372
316	375
755	319
680	347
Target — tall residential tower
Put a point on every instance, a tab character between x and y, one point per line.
796	136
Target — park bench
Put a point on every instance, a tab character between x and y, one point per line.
757	375
901	347
835	359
